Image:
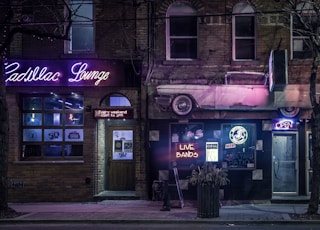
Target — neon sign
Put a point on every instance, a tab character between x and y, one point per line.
32	74
187	150
64	73
80	74
284	124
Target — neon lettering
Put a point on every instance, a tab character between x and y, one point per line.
32	74
79	69
187	154
186	151
186	147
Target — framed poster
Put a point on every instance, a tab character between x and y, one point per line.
122	145
238	146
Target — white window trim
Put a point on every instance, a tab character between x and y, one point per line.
293	38
168	37
68	43
247	11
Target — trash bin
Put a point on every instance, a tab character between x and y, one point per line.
208	200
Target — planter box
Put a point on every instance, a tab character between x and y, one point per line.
208	201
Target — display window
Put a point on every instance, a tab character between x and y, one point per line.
52	127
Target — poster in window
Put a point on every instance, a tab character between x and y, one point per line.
53	135
32	135
238	146
212	151
122	145
74	135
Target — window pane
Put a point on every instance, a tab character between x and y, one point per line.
74	119
32	103
82	38
245	49
53	150
184	48
245	26
53	135
31	151
119	101
54	103
83	11
32	135
32	119
74	103
52	119
183	26
73	150
73	135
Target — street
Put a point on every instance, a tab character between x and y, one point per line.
156	226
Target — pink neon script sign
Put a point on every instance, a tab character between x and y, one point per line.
32	74
41	72
80	74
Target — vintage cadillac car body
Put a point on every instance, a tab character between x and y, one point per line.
183	98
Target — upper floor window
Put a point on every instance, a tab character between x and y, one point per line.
182	32
301	44
243	32
82	28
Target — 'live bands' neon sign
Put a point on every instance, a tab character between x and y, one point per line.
61	73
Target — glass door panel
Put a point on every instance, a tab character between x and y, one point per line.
284	163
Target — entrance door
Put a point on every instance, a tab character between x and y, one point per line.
285	163
120	160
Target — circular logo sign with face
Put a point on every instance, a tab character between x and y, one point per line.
238	135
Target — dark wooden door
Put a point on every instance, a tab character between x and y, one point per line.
120	160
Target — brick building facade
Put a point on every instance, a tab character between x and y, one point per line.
192	46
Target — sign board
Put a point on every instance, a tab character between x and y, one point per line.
212	151
117	113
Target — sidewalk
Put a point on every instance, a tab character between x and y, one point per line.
113	211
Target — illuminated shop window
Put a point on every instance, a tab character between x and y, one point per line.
244	32
182	32
52	127
82	29
301	44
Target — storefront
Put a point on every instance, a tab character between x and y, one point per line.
265	150
74	130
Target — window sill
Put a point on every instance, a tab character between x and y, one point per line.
182	62
301	61
50	162
244	62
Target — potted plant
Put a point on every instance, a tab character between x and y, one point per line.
208	178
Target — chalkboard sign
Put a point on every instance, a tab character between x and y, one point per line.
238	146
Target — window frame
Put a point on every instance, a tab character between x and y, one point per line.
80	24
243	9
180	9
66	136
304	53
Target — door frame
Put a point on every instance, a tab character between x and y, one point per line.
109	152
283	133
308	169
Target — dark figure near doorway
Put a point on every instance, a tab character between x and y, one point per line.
166	197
